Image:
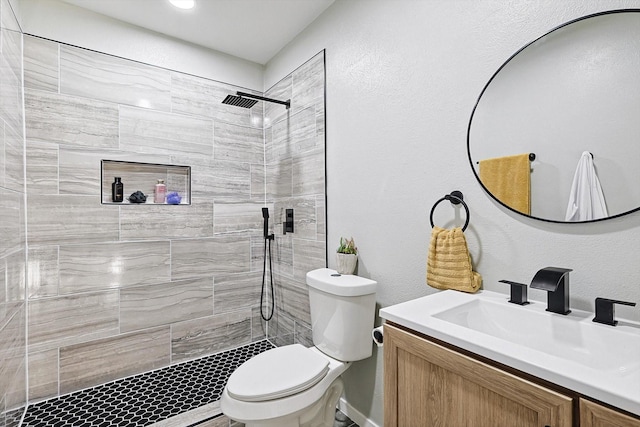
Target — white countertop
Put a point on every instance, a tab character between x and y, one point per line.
595	360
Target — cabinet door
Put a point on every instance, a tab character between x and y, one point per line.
432	386
594	415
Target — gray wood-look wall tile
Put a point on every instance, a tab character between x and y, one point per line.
208	335
258	182
97	362
320	124
282	331
304	208
258	325
293	136
2	156
66	320
303	334
14	158
16	275
282	252
3	284
229	217
43	274
308	173
99	76
309	255
293	299
206	257
238	143
156	132
12	208
203	97
70	219
43	374
80	171
12	354
102	266
279	179
219	180
166	222
42	168
308	82
41	64
237	291
70	120
165	303
321	218
11	80
274	112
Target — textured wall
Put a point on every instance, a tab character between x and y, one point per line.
116	290
402	79
12	222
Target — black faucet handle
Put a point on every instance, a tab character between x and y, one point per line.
605	310
518	292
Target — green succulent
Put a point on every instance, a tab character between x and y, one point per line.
347	246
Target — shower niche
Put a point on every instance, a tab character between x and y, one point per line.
143	177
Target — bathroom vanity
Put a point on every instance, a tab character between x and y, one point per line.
454	359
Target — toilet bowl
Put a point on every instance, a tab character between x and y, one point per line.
291	396
296	386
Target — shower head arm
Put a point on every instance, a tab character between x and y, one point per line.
286	103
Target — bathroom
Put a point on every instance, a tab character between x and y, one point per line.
401	80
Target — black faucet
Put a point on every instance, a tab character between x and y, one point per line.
605	310
518	292
555	281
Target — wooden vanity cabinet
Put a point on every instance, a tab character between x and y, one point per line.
426	384
595	415
429	385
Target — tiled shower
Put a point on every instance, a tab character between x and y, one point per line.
90	292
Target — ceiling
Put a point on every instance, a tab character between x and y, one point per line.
254	30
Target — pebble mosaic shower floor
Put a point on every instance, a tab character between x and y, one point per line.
145	398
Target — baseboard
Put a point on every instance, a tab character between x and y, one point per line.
355	415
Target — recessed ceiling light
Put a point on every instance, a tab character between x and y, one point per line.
183	4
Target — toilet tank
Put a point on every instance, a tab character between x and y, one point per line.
342	313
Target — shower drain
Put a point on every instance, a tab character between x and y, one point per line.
145	398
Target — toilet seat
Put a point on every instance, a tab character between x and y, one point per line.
277	373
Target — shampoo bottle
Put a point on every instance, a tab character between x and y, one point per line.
160	192
117	190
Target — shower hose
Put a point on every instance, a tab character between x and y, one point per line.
267	252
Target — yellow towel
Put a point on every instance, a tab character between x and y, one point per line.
449	263
509	180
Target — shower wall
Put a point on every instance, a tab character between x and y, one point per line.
118	290
295	170
12	222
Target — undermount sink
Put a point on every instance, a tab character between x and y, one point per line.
596	360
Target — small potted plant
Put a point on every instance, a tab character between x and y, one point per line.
347	256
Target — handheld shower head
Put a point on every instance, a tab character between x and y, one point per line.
265	216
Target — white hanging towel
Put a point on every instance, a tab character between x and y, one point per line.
586	201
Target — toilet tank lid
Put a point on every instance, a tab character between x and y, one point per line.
346	285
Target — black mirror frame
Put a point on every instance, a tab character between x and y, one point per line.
593	15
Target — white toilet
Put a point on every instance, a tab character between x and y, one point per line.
295	386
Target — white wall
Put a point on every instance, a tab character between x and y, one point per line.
402	79
69	24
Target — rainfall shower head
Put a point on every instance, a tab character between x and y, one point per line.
240	100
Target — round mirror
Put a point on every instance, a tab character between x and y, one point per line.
555	133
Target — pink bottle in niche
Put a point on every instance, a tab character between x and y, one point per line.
160	192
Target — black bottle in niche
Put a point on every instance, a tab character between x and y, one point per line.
117	190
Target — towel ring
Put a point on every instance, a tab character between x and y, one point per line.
455	198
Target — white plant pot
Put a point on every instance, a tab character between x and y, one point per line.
346	263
